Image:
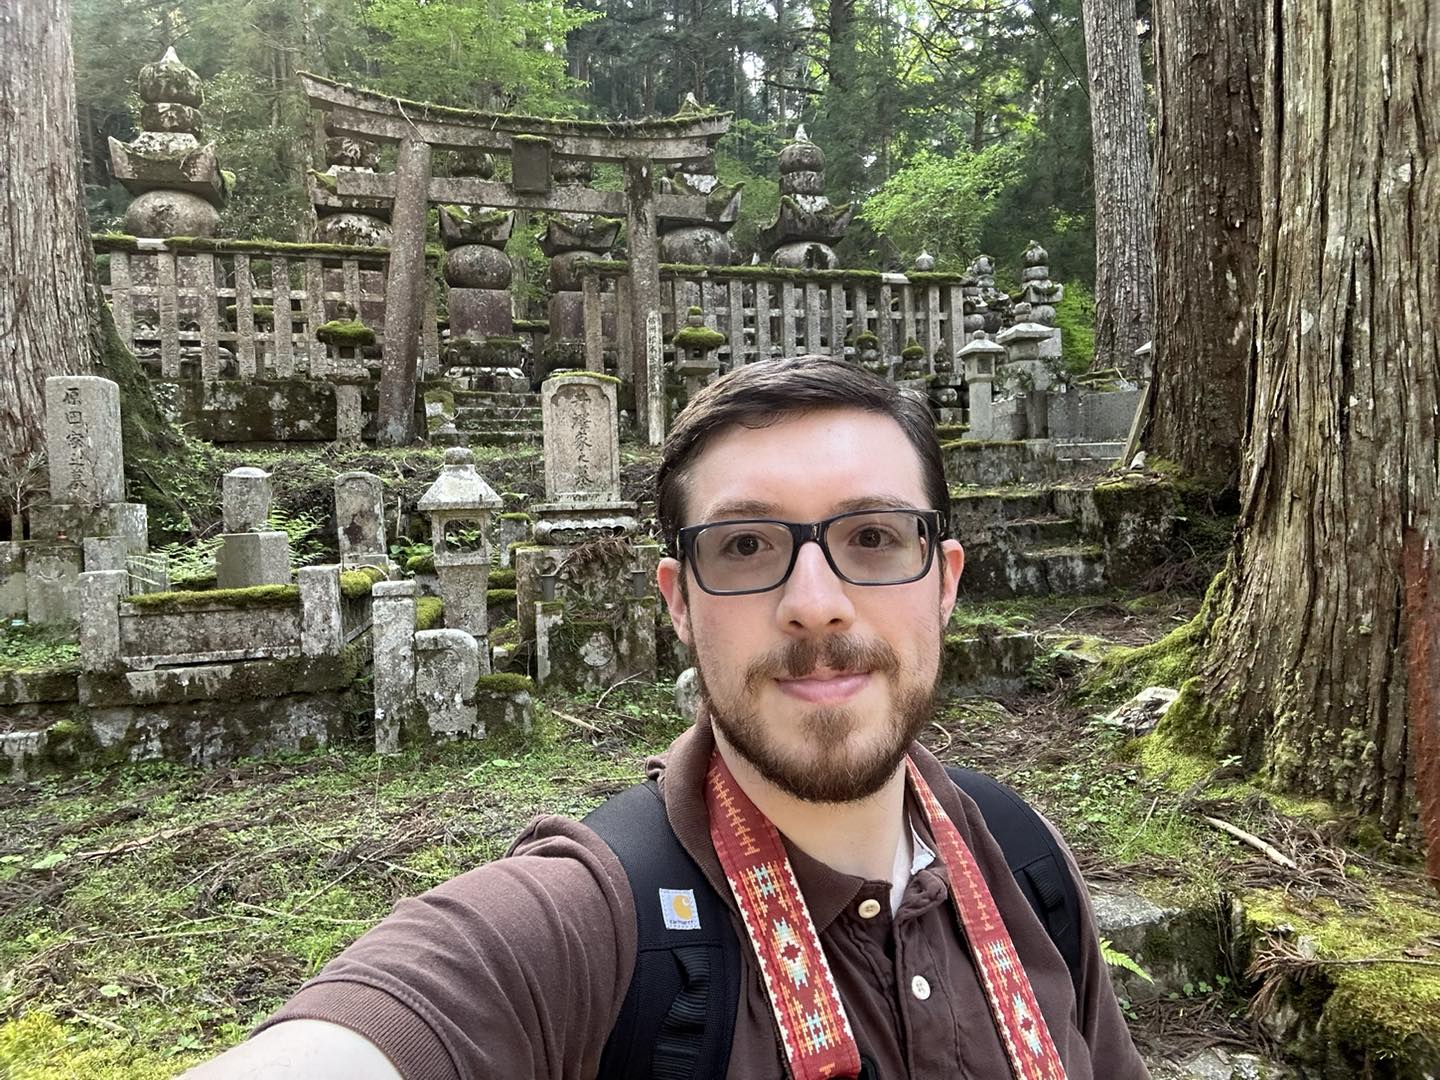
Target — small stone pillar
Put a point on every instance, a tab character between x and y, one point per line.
460	504
695	344
249	553
347	340
393	627
322	629
981	357
360	519
100	595
179	186
807	225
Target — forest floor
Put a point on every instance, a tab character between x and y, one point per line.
151	915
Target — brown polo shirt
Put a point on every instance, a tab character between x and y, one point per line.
518	968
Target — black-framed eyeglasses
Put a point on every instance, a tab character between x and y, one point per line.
863	547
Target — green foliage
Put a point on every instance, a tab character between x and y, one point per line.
1075	316
1124	961
429	612
503	55
942	203
37	648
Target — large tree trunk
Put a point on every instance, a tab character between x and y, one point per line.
1208	79
47	271
1339	518
1124	262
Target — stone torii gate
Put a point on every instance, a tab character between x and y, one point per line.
419	128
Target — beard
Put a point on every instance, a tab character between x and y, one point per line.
830	770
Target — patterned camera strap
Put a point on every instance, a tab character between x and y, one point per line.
813	1026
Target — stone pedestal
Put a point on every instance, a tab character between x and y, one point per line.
252	558
447	665
393	622
52	572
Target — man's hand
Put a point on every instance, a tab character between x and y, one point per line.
313	1049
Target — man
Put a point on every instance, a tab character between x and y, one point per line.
804	505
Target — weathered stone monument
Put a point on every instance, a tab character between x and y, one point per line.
980	359
250	554
460	504
356	220
582	589
569	240
179	185
698	239
87	513
807	226
360	519
1036	288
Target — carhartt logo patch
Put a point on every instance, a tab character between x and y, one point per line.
678	907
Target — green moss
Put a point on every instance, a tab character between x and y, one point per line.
263	314
913	350
694	310
225	246
359	581
429	612
950	432
326	180
698	337
37	648
867	341
496	597
530	140
501	579
504	682
421	564
346	333
254	596
586	374
534	326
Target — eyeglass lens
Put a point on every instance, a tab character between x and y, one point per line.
876	548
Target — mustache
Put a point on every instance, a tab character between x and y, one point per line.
843	652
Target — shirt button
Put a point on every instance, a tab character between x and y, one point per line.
869	908
920	987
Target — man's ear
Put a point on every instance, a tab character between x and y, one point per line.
669	575
952	565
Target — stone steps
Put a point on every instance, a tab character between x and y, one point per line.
527	416
496	398
1105	453
1031	461
991	572
502	437
1044	531
974	512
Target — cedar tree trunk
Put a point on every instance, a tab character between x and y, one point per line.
1124	234
1209	82
47	271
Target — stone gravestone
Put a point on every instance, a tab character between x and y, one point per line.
360	519
82	438
582	461
249	554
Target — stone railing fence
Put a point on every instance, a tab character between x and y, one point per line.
770	311
245	309
311	619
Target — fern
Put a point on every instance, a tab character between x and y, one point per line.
1115	958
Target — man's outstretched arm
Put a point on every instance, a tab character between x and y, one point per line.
314	1049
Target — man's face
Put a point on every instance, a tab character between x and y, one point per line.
818	684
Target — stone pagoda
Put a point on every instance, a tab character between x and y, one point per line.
808	226
699	240
179	186
360	221
1036	288
569	240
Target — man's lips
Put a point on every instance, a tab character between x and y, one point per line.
826	687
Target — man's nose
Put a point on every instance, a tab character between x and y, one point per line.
814	598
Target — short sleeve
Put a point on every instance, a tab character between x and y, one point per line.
515	968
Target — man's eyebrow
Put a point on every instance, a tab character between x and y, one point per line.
758	508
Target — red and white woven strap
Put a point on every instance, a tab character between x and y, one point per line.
813	1026
1013	1006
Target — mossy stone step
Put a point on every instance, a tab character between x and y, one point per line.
1047	531
994	571
977	509
502	438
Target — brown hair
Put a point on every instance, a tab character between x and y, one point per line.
764	393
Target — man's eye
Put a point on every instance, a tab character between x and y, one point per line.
873	537
743	545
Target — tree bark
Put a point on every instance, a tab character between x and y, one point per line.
1209	83
1340	476
47	269
1124	232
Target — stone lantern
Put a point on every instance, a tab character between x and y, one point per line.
460	504
695	344
980	358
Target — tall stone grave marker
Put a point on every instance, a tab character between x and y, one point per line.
250	554
82	437
582	461
360	519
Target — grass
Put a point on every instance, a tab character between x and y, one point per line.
150	916
38	648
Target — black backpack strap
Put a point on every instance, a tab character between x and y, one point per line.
1034	857
678	1018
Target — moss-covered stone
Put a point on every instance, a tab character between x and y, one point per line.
514	515
497	597
698	337
346	333
587	374
421	564
254	596
913	350
429	612
501	579
359	581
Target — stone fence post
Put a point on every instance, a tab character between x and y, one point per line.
393	633
100	593
321	630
